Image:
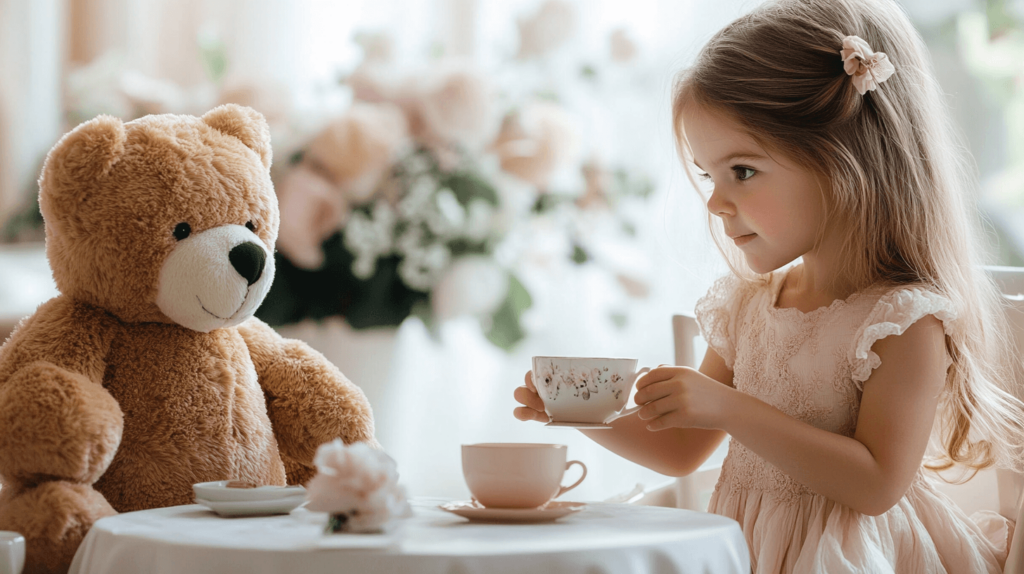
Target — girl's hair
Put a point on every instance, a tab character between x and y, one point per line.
899	185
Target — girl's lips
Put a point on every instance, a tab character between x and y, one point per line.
743	239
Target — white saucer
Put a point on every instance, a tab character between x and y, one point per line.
254	507
551	511
218	491
578	425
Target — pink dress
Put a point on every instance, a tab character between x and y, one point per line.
811	366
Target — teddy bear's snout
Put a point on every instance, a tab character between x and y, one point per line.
248	259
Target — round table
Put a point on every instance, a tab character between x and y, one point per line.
601	538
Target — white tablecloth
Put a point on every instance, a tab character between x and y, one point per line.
602	538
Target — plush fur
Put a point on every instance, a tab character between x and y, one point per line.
148	373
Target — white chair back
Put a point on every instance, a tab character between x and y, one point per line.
693	491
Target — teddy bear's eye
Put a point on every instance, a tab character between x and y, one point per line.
250	226
182	230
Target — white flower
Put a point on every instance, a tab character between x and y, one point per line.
358	482
415	203
421	268
370	237
479	219
446	216
472	285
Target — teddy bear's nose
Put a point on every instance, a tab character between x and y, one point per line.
248	259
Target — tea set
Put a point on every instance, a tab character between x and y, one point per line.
509	482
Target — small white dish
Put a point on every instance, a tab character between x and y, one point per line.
588	426
547	513
218	491
254	507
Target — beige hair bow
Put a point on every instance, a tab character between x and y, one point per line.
867	68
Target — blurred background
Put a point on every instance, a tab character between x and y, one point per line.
463	183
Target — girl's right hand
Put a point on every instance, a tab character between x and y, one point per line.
533	407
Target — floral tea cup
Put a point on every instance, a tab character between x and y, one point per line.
585	390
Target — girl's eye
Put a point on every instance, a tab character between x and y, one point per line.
743	173
703	176
250	226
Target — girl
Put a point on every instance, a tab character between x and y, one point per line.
823	137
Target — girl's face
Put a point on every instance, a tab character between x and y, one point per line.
772	209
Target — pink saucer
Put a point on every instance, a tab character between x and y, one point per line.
550	511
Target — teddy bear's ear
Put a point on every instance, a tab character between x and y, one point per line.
245	124
88	151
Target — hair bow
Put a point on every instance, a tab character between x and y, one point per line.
867	68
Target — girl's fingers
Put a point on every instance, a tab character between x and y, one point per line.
529	381
656	375
652	392
655	409
528	414
528	398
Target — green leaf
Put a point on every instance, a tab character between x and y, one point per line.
468	186
579	255
506	330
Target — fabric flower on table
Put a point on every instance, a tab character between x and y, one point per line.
868	68
358	486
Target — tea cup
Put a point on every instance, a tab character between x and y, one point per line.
517	475
12	552
585	390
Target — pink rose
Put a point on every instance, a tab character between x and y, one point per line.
356	149
535	142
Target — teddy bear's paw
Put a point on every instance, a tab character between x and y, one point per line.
53	517
60	424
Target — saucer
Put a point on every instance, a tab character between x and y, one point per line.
254	507
551	511
578	425
218	491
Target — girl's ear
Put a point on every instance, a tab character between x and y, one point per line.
244	123
84	154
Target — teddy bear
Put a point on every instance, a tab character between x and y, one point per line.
149	373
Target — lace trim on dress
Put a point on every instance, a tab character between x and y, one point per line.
717	313
892	315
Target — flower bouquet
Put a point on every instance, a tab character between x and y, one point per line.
422	199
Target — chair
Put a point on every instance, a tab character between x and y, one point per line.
692	492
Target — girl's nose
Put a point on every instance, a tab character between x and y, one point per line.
718	205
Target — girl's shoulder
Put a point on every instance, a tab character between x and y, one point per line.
893	309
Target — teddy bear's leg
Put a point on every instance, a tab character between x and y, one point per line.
59	431
53	517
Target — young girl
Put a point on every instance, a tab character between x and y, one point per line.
823	137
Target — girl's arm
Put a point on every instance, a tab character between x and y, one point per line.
676	452
868	472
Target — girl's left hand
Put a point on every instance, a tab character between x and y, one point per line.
682	397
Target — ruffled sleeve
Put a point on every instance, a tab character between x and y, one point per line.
717	314
892	315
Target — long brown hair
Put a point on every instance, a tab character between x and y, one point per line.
899	181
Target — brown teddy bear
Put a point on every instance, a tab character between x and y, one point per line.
148	373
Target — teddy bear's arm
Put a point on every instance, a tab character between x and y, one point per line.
59	429
57	419
309	400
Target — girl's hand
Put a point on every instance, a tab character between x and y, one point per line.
682	397
533	407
